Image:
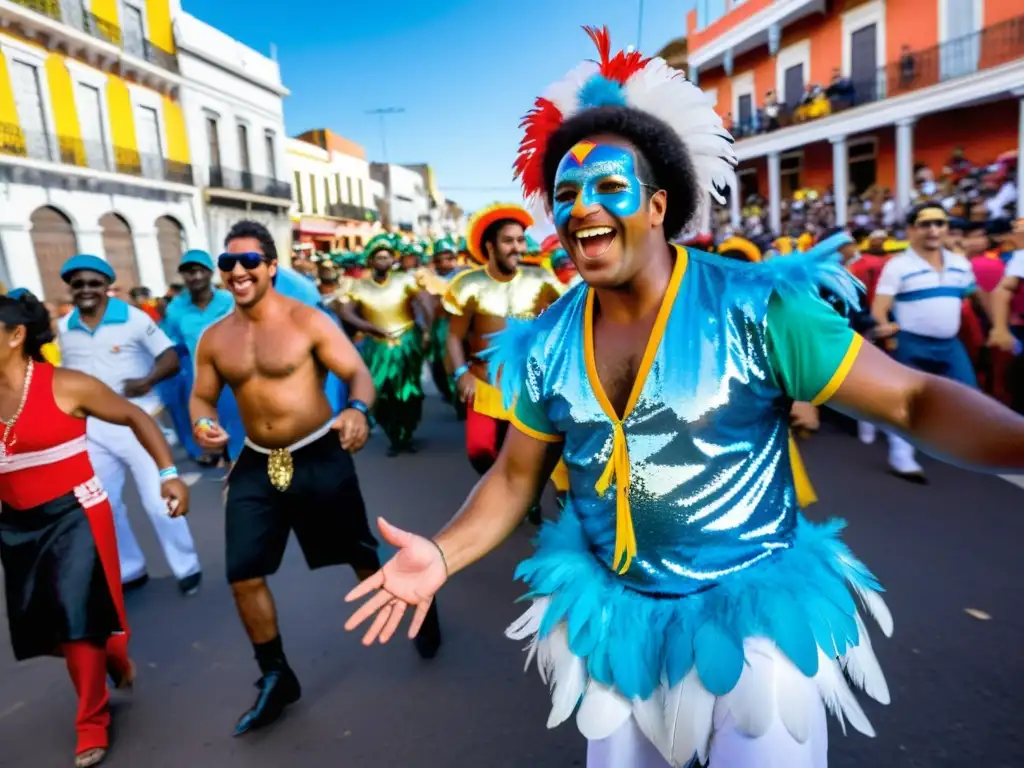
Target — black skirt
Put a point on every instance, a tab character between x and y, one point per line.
57	589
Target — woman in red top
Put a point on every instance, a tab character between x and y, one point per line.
57	543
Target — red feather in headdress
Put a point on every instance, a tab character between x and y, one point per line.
623	65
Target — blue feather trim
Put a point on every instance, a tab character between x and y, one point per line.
801	597
791	276
507	356
599	91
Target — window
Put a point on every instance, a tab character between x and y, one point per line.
361	203
327	192
243	148
337	185
348	184
790	166
147	131
298	191
312	194
268	141
213	142
862	156
28	100
90	119
134	30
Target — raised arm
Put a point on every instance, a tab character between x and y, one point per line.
952	422
83	396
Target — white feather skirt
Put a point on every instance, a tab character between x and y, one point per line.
681	721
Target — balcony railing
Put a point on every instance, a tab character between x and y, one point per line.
95	155
352	212
990	47
243	181
75	15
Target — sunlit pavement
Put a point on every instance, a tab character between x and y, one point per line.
957	680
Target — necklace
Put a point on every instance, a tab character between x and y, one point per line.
9	423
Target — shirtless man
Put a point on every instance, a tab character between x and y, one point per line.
296	470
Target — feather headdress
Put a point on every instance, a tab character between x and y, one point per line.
628	80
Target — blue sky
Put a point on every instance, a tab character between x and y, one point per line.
465	71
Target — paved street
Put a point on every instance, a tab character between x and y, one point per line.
957	681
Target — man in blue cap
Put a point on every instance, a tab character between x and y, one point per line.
188	315
122	347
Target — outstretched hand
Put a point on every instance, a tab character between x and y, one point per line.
409	579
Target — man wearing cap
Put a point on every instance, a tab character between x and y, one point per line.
122	347
924	287
188	315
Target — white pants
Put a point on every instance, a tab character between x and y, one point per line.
114	449
730	748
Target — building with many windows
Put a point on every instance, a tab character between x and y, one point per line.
407	204
233	102
335	202
94	155
860	92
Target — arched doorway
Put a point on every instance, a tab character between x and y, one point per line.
170	239
54	242
120	250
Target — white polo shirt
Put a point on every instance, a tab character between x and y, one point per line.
123	346
927	301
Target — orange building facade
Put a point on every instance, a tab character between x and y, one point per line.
856	93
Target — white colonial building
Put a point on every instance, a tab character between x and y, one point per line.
233	101
407	203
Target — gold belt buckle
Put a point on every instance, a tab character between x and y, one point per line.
280	468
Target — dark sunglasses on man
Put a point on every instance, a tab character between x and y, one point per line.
226	261
79	284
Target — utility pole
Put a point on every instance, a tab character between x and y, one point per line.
382	113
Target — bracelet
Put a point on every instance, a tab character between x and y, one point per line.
169	473
461	371
444	560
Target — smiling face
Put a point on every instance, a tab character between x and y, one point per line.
248	286
88	290
602	212
196	277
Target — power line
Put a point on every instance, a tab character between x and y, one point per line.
382	113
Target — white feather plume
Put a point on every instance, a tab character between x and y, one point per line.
876	607
752	701
527	626
567	674
689	721
564	94
862	666
838	697
794	698
602	712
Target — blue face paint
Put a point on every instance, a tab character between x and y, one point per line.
601	174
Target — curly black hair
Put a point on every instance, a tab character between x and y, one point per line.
490	234
247	228
21	307
662	158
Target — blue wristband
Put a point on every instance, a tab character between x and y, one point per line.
169	473
461	371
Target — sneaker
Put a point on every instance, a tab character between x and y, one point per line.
190	584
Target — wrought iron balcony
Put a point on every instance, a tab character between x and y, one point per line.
77	17
351	212
95	155
243	181
989	47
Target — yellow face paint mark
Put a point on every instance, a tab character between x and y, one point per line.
581	150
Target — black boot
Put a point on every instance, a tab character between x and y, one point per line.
278	689
428	641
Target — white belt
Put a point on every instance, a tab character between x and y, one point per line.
308	439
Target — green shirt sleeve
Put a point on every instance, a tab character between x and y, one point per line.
529	418
811	347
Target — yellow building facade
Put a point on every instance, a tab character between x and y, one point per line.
90	115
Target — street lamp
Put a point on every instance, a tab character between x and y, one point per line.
382	113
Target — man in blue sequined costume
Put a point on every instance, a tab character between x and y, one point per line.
682	606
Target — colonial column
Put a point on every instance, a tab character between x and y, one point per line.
148	261
841	178
775	193
904	163
19	257
734	200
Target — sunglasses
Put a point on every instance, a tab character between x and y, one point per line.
937	223
77	285
226	261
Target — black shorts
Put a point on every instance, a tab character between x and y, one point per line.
323	505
